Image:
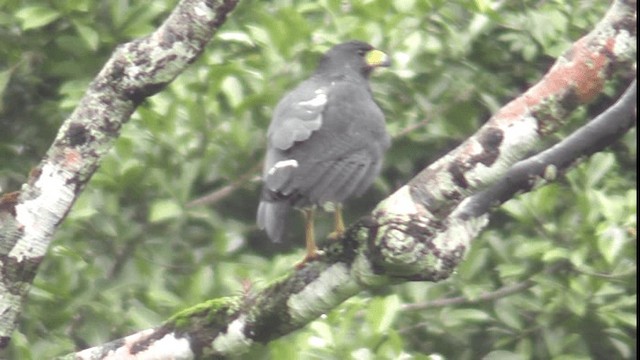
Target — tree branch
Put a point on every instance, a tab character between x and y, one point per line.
227	190
487	296
546	166
418	233
136	70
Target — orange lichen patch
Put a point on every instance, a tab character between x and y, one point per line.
9	201
589	70
581	70
72	159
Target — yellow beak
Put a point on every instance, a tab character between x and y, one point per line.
375	58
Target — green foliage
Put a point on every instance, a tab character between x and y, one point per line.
134	250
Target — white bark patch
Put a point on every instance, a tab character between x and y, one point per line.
460	232
283	164
625	43
399	202
39	216
363	272
202	10
169	347
332	287
519	138
233	341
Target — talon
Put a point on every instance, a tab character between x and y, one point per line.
307	259
335	235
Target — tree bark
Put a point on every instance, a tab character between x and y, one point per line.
135	71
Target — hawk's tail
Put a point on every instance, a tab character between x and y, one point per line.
272	217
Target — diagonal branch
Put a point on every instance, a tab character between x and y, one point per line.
135	71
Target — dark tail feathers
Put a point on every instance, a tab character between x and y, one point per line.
272	217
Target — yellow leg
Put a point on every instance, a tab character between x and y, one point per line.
312	250
338	223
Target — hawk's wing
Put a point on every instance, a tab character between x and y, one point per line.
298	115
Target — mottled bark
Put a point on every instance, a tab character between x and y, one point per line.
136	70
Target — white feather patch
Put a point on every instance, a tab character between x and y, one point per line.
319	100
282	164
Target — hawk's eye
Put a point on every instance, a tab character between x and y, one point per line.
362	52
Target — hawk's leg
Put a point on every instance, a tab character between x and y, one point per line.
338	223
312	250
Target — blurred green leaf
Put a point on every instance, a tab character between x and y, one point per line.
503	355
162	210
88	34
611	241
382	312
507	314
33	17
5	76
232	87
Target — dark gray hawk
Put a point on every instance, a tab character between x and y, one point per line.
325	143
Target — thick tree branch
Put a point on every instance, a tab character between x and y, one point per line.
415	234
418	232
546	166
136	70
576	78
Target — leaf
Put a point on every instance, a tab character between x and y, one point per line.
382	312
324	332
5	76
508	314
362	353
483	5
163	210
511	270
232	88
555	254
503	355
599	166
237	36
32	17
259	34
575	302
611	241
475	262
465	316
404	6
88	34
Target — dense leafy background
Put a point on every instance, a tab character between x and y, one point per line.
133	251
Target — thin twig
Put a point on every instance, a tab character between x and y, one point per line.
488	296
226	190
411	128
